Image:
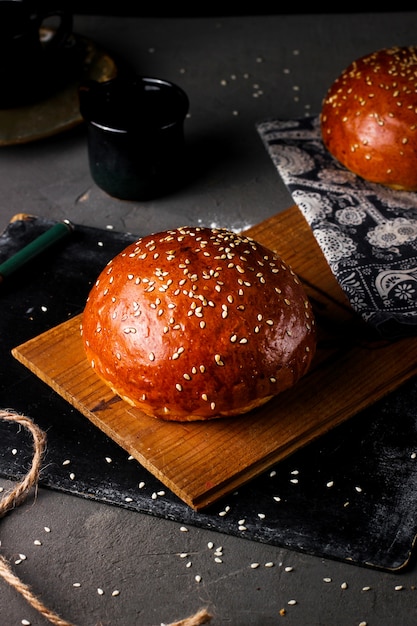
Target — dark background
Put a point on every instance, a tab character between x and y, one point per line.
126	7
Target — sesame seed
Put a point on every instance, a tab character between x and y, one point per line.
218	359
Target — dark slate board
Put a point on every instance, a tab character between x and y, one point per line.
351	496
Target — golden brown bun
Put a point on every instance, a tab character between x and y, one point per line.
198	323
369	118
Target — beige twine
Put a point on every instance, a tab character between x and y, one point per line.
18	495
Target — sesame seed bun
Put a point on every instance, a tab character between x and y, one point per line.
198	323
369	118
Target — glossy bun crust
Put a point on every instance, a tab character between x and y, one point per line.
369	118
198	323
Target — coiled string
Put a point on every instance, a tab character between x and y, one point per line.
17	495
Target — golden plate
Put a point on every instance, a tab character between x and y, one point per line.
59	111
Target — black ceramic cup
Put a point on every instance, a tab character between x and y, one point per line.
28	61
135	135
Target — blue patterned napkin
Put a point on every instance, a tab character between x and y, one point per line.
367	232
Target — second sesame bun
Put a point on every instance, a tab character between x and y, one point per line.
369	118
198	323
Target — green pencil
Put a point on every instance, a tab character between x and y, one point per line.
34	248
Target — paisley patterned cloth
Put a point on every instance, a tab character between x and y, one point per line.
367	232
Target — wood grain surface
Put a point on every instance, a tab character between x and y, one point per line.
200	461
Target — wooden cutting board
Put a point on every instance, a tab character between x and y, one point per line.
201	462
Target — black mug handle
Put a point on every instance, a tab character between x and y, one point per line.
65	24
